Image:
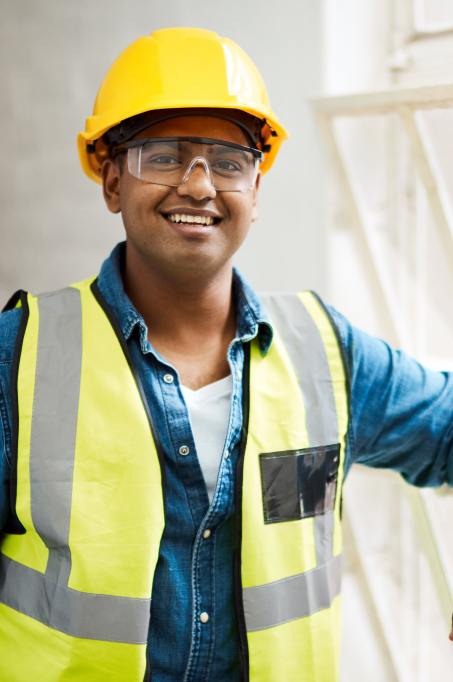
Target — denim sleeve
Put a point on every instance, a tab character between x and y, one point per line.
9	324
401	412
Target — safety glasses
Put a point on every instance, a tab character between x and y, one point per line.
169	161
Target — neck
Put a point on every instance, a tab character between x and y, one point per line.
171	299
190	316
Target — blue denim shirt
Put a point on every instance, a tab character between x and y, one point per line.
401	418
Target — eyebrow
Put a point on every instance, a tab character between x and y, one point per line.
184	145
197	140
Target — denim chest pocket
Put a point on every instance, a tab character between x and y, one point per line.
297	484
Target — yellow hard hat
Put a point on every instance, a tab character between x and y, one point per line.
178	68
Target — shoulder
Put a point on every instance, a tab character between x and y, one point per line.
9	325
339	322
363	352
371	359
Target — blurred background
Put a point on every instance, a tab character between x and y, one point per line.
358	207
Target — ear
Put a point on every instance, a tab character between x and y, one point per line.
110	174
255	214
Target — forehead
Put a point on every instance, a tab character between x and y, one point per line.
197	126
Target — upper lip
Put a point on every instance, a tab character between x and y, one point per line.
192	211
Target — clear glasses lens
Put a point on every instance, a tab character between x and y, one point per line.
170	163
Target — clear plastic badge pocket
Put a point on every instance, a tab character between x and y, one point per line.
297	484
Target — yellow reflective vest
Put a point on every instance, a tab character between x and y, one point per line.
76	583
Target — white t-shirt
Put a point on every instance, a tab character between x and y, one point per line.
209	412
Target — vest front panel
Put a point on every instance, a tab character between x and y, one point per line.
291	565
77	587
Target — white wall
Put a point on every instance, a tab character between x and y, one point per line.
394	626
54	226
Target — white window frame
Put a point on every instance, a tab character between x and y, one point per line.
404	102
421	28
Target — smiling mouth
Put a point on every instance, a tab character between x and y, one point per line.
192	219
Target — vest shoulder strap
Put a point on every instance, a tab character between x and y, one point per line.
15	301
315	348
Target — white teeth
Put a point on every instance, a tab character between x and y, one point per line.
199	219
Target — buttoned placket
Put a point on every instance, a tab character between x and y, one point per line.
202	570
203	581
222	505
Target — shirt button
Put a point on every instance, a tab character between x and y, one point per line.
206	534
184	450
204	617
226	455
168	378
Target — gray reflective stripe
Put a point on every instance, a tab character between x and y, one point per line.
79	614
304	345
324	527
296	597
54	424
46	597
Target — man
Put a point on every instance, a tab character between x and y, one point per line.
166	433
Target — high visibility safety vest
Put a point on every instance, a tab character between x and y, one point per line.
88	488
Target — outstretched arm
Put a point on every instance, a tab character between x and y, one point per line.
402	413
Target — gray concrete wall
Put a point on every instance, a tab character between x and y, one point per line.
54	227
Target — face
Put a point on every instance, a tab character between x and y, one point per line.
147	208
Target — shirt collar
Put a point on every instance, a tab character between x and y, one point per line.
252	318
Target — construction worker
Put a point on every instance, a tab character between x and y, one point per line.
173	447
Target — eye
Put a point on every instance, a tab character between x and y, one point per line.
166	160
227	166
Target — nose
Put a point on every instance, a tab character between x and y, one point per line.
197	181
